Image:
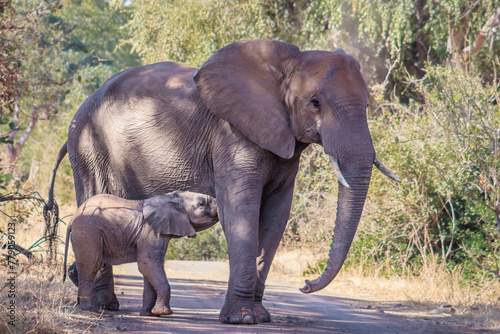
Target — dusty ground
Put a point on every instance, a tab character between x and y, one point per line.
198	290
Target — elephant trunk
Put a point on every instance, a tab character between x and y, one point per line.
354	161
350	206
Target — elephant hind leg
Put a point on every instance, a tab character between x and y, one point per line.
85	295
88	263
104	297
86	278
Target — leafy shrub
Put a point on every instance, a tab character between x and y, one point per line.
208	245
313	208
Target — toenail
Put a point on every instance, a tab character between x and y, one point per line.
247	319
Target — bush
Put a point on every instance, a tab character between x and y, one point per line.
209	245
312	215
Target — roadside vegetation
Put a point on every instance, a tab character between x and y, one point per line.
432	68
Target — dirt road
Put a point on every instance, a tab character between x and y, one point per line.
198	290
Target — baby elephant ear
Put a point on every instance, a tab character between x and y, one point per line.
166	215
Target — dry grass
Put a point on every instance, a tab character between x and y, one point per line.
43	304
29	231
477	306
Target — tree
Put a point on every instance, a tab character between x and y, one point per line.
401	36
32	85
44	47
190	31
97	33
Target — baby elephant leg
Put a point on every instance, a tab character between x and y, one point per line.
88	265
150	262
104	297
148	299
85	289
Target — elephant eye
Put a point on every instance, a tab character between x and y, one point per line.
315	102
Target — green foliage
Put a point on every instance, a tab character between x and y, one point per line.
95	35
316	269
97	31
190	31
394	36
208	245
408	33
313	208
28	76
32	82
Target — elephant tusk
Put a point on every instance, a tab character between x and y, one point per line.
337	172
385	171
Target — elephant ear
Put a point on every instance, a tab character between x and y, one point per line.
166	215
241	82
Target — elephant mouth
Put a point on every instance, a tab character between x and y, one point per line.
206	223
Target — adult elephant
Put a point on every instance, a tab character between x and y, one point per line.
233	129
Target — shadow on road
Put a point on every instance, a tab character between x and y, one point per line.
197	299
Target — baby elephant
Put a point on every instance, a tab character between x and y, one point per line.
108	230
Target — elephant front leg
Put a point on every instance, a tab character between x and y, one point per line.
239	215
273	218
148	299
156	296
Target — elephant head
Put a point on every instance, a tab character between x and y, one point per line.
201	209
276	96
180	213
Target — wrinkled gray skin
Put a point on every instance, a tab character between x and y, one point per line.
108	230
234	129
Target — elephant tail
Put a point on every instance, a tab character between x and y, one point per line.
60	156
66	245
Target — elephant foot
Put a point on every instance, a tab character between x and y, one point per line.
262	313
86	306
105	300
161	310
109	307
235	315
147	313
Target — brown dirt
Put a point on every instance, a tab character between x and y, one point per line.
198	290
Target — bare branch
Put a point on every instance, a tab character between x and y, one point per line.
29	129
483	33
19	197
